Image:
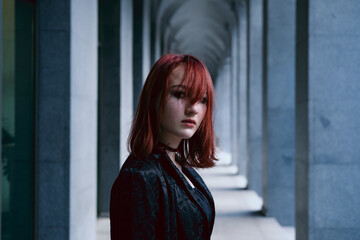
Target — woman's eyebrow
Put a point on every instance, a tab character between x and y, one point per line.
178	86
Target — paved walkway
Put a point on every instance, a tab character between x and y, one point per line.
237	210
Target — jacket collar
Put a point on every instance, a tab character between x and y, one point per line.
199	183
171	169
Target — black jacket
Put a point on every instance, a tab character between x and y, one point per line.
150	199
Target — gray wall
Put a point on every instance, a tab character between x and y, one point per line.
109	102
67	120
126	75
53	125
279	114
83	118
255	88
243	86
138	51
327	120
222	114
141	46
234	96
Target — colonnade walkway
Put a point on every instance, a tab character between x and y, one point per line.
238	214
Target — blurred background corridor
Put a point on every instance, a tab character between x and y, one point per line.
286	74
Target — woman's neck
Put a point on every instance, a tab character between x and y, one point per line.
173	143
169	140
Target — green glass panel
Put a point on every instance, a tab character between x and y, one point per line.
17	150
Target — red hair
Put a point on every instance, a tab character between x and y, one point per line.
199	150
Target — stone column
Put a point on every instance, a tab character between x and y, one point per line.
109	101
53	124
66	144
153	8
146	46
83	118
126	74
279	105
234	100
141	47
327	120
243	87
222	124
138	23
255	88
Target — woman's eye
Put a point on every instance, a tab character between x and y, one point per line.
179	94
204	100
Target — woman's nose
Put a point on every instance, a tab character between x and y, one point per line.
191	109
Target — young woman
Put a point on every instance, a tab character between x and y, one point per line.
158	194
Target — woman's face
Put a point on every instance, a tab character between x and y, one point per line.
180	119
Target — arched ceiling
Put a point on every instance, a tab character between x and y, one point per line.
198	27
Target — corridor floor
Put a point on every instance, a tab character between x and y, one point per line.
237	210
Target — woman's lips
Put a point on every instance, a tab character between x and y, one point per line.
189	122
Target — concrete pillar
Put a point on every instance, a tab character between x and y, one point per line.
66	144
327	120
223	111
53	143
234	94
279	106
141	46
109	101
255	88
154	7
83	118
146	46
243	86
116	97
157	38
126	75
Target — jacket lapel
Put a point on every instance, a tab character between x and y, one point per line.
199	183
197	180
172	169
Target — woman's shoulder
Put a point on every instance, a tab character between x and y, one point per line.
138	177
139	164
141	168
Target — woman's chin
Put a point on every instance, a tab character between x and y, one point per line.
187	136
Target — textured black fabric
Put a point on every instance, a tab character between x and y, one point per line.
203	202
151	199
